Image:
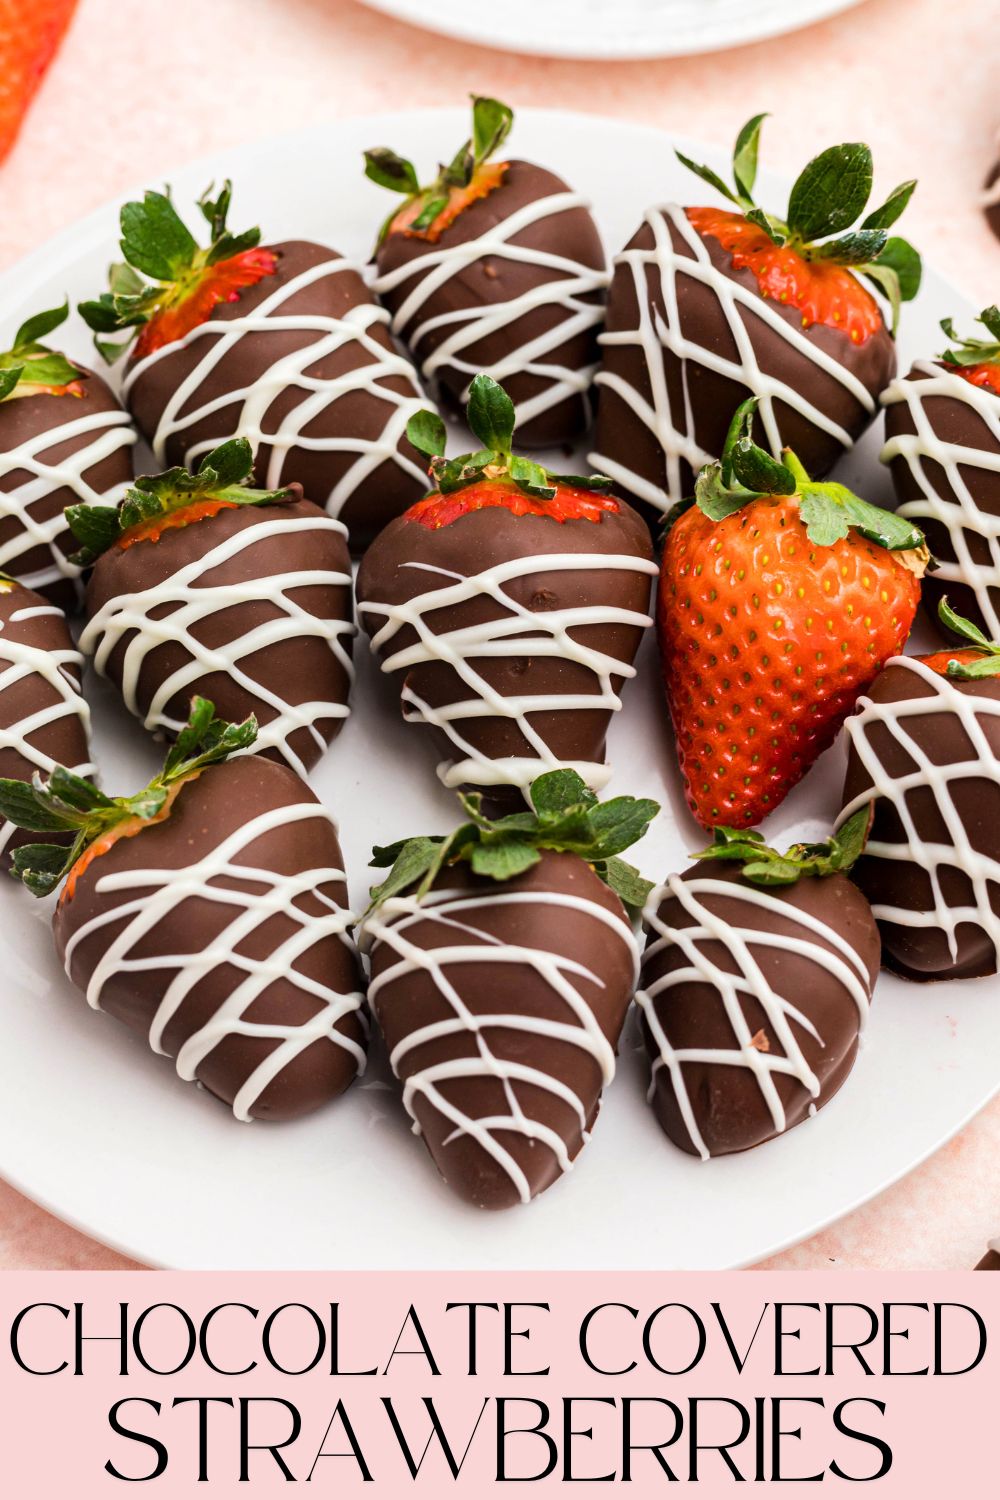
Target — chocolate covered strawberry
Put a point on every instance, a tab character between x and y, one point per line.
942	425
756	984
503	962
281	344
202	585
780	599
63	440
44	721
508	605
495	266
924	751
711	305
207	912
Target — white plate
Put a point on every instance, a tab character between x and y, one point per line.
609	29
99	1130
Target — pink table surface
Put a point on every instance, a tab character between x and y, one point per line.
128	99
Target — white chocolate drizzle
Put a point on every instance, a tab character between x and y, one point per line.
568	287
956	852
156	897
110	430
659	333
390	924
19	661
748	981
195	602
220	337
958	512
519	632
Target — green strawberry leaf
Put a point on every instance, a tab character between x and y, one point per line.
631	888
427	433
40	326
830	510
972	351
155	239
707	175
503	861
853	249
491	414
771	227
391	171
491	125
9	379
886	216
745	157
830	192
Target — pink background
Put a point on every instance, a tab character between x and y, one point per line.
372	1316
136	91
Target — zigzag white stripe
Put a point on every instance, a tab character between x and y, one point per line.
160	893
390	924
519	632
962	517
133	612
956	852
331	335
672	430
739	943
112	430
19	661
572	282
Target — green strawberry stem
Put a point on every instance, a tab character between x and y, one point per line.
65	803
491	125
988	664
763	865
221	476
490	414
565	815
29	367
971	351
826	201
829	510
162	262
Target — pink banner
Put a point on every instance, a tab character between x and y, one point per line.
475	1384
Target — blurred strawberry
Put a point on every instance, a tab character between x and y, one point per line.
30	33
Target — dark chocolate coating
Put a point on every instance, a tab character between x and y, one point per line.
922	953
298	668
955	422
63	740
713	397
356	415
413	1000
989	1262
729	1107
492	279
25	418
207	811
992	210
480	540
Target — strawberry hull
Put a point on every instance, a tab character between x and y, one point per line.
531	320
501	1005
56	451
250	607
752	1002
44	721
304	353
221	935
670	381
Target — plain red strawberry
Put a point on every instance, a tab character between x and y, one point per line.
30	33
767	633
